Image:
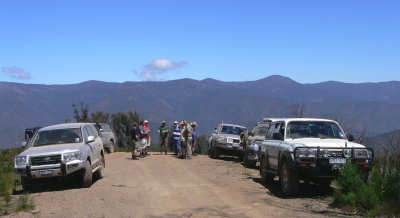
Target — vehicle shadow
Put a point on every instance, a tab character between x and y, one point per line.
306	190
229	158
53	185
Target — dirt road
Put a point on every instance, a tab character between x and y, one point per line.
164	186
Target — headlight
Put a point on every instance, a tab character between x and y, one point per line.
71	156
347	153
306	152
324	153
20	161
362	153
221	140
229	140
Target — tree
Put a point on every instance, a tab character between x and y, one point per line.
300	110
81	115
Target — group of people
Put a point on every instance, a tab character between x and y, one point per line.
183	136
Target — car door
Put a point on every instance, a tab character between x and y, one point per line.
274	145
98	143
87	131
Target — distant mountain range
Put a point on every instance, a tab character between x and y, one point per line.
375	106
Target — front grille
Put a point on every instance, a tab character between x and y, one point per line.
45	160
335	153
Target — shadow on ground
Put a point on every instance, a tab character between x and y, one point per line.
53	184
307	190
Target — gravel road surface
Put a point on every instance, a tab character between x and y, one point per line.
164	186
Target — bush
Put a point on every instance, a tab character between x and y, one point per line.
353	192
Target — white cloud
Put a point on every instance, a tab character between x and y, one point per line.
16	73
158	66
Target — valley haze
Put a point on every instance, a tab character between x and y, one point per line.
374	106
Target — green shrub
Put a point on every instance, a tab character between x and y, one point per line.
24	203
353	192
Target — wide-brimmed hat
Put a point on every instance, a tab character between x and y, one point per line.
193	124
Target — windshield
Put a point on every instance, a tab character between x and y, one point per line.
314	129
57	136
234	130
261	130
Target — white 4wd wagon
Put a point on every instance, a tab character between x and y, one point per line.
308	149
62	150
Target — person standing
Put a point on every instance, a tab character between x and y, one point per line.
182	141
194	136
176	132
135	134
143	138
163	130
148	138
187	135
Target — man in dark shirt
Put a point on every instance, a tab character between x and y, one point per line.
163	130
135	134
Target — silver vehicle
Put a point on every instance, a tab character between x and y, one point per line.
251	142
107	135
72	149
225	139
310	150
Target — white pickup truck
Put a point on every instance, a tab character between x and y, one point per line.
308	149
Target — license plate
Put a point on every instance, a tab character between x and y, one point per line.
235	145
337	160
46	172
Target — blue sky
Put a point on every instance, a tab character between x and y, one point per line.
64	42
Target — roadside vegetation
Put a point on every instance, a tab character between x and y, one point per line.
121	122
380	193
9	182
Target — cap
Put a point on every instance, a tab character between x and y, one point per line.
146	121
164	121
193	124
175	122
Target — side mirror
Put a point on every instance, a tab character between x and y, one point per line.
277	136
23	144
350	138
215	131
101	130
90	139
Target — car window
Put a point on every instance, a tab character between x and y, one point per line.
105	127
57	136
260	130
314	129
270	131
233	130
93	131
85	131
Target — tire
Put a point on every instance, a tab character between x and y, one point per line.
210	152
289	180
111	147
324	184
248	163
87	177
99	173
26	183
215	152
265	176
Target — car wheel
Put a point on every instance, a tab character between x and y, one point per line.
87	176
265	176
26	183
99	172
210	151
324	184
289	180
111	147
215	152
